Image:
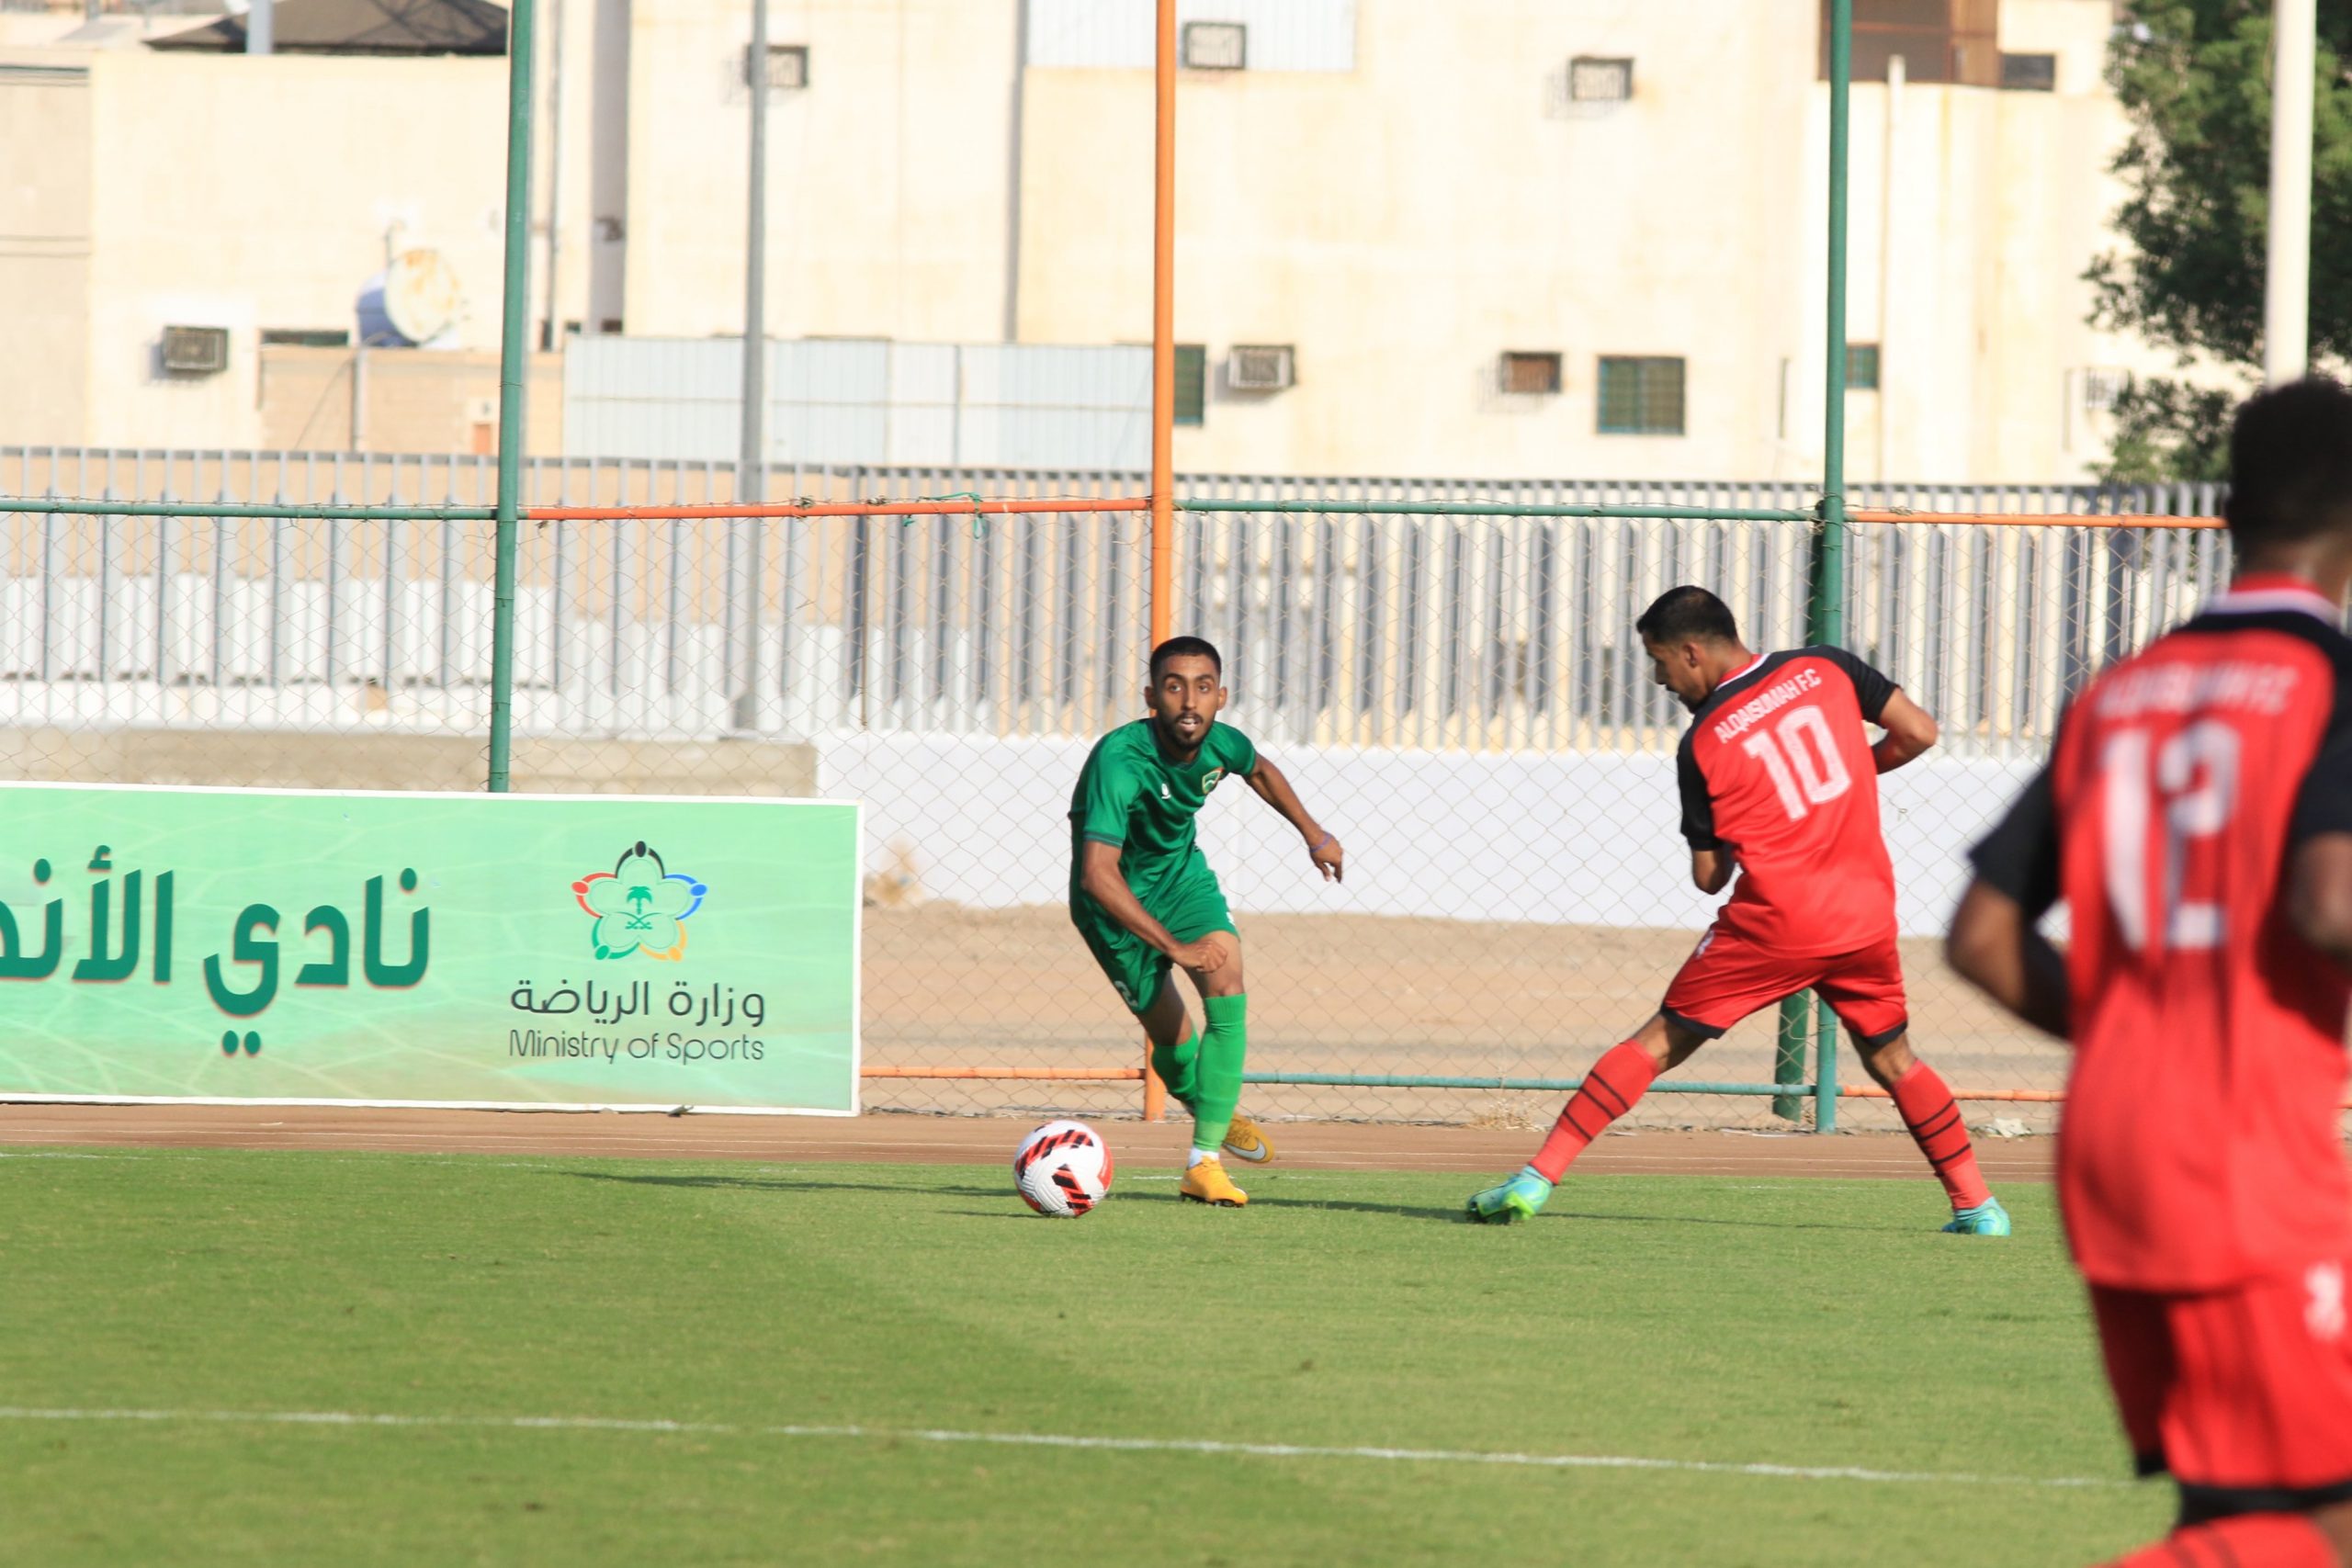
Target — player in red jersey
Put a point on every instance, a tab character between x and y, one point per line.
1778	782
2196	817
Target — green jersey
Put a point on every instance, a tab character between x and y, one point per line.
1130	794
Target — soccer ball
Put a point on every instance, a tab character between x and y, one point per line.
1062	1169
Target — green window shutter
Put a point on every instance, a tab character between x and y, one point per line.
1192	383
1641	396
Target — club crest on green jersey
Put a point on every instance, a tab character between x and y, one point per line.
1211	779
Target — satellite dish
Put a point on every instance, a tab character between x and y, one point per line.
413	302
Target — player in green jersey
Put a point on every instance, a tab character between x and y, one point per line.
1143	895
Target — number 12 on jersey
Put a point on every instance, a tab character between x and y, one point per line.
1801	755
2192	779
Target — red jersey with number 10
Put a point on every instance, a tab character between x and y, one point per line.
2198	1147
1777	767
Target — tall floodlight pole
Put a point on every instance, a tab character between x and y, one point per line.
751	468
1163	387
513	308
1825	618
1163	329
2287	275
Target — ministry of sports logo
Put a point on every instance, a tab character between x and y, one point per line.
639	906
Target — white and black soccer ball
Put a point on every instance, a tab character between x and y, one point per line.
1062	1169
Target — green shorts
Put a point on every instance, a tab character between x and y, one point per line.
1191	909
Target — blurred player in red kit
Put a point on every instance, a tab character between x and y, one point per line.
2196	819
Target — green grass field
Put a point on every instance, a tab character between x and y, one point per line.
1680	1319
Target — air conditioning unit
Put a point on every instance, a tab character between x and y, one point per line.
1594	79
1261	367
1216	46
196	351
787	67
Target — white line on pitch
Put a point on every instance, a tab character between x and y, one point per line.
1055	1440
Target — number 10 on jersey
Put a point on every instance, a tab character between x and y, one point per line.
1802	757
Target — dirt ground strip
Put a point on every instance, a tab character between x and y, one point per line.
953	988
940	1140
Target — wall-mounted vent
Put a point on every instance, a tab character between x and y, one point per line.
1216	46
1262	368
2029	72
196	351
787	67
1594	79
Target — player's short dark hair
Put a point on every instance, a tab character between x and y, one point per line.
2291	463
1688	613
1185	648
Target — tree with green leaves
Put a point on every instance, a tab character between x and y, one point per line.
2194	75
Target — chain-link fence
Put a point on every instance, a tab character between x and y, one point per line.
1458	694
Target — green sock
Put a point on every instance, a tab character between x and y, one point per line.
1223	1045
1177	1065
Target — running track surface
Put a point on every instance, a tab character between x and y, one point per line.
944	1140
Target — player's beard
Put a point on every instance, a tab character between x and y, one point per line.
1173	742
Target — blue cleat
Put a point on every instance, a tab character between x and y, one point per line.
1516	1200
1987	1218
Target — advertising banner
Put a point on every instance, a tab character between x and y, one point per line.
463	950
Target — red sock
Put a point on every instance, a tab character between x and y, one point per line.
2250	1540
1933	1116
1611	1087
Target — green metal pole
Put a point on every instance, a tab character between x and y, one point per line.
513	306
1825	1080
1826	614
1788	1058
1825	605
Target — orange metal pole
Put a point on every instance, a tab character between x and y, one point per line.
1163	391
1163	334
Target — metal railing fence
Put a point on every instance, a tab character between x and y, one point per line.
1448	670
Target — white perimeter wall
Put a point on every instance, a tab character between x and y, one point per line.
1586	840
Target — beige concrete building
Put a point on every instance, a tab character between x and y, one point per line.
1493	238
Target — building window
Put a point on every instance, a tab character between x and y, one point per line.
1192	383
1861	368
1529	374
2103	389
1594	80
306	337
2029	72
1939	41
1216	46
787	67
1641	396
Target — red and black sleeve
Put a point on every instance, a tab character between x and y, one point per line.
2323	801
1872	686
1698	807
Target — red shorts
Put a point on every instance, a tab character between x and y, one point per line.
1729	975
2245	1395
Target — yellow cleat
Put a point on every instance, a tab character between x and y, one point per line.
1208	1183
1245	1140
